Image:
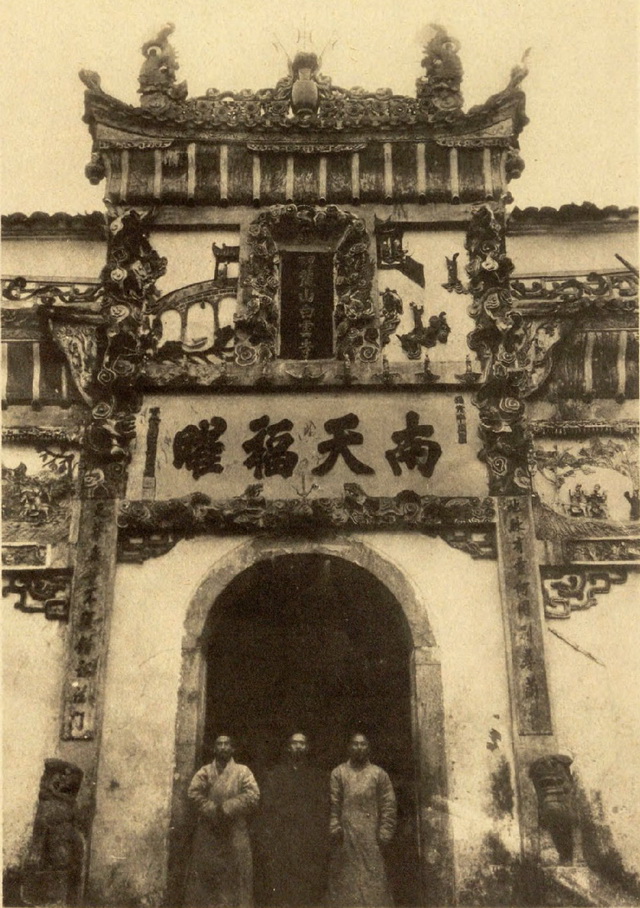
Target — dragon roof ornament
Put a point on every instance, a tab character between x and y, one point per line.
305	100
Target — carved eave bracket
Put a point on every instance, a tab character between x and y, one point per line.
39	591
573	588
148	529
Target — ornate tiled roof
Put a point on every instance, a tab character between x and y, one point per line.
304	140
566	216
305	103
88	226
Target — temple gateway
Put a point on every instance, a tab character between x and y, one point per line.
310	431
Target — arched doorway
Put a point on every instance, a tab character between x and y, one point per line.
315	643
347	592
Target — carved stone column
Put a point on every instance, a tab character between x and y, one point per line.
523	614
88	640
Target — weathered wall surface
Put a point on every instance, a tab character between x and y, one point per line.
568	251
597	711
136	762
463	602
44	258
151	602
32	670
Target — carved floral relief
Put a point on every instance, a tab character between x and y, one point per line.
356	332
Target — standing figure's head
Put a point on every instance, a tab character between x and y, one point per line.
358	749
223	749
298	747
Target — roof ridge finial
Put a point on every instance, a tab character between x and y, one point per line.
158	72
439	89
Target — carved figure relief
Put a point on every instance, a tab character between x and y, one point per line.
438	91
587	504
453	280
158	72
612	461
437	331
392	309
391	251
36	507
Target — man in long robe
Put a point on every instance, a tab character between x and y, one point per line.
294	830
221	868
363	821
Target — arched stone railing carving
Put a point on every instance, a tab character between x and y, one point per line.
197	318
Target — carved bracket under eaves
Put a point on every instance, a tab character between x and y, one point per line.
46	592
573	588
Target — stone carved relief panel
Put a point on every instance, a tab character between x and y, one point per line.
37	499
595	477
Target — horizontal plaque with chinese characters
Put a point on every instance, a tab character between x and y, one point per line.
300	445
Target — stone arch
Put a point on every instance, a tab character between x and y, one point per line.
435	842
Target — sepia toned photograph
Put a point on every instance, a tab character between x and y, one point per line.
320	484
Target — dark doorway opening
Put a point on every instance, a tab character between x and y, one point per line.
317	644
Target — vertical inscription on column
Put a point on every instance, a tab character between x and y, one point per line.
90	599
522	600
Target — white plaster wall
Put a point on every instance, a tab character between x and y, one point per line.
70	259
137	753
143	672
189	255
597	708
463	601
557	251
32	670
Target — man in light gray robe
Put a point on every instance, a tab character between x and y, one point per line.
363	821
220	872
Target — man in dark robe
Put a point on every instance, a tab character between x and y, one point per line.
220	872
363	821
294	830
